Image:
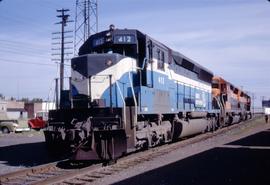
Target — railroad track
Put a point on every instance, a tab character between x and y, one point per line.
53	174
42	173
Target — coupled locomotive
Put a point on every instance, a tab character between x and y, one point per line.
233	103
130	92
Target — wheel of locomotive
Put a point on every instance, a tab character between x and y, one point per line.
229	120
215	123
209	126
222	121
217	120
246	117
145	145
176	129
241	118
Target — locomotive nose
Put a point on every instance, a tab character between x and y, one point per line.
92	64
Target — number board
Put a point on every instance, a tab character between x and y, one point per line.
124	39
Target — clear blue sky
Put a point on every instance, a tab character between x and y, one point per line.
229	37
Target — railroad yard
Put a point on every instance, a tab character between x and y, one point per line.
134	92
240	151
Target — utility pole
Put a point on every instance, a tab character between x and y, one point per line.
61	48
86	21
60	37
253	106
63	23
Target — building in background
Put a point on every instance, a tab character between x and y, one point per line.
24	110
266	106
15	110
3	106
33	107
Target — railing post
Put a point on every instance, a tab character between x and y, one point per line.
56	94
177	97
110	80
89	91
70	92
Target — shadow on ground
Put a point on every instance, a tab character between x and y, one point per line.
222	166
259	139
30	154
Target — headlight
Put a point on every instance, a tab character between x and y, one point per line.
15	125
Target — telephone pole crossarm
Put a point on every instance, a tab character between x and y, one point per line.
62	43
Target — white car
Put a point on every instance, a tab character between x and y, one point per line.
7	126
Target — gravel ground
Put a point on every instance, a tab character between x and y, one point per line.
209	144
22	150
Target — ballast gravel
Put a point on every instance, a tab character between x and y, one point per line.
243	130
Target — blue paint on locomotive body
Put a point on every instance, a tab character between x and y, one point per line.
168	97
159	92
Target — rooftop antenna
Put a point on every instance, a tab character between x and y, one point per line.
86	22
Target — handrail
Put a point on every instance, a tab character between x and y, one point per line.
134	98
132	88
124	103
144	62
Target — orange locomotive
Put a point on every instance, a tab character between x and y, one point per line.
233	103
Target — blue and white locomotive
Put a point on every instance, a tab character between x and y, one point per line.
129	92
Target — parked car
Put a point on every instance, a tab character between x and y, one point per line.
7	126
40	120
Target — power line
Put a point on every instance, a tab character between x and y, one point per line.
24	22
21	43
24	62
23	53
30	63
24	49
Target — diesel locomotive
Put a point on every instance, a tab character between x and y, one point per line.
233	103
129	92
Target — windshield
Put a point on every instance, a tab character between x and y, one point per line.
125	50
215	85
